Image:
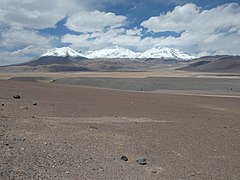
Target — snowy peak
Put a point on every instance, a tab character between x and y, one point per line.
120	53
156	52
166	53
63	52
112	53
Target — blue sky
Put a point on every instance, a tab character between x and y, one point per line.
30	27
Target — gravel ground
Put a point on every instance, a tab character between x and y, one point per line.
157	83
75	132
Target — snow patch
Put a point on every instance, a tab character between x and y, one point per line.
63	52
120	53
166	53
112	53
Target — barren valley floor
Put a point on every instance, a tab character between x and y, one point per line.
79	132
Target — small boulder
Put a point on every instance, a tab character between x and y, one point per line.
34	104
154	171
141	160
17	96
124	158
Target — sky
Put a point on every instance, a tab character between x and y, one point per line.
29	28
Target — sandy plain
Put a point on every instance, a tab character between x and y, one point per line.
80	132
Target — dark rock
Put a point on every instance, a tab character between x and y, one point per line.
3	104
124	158
154	171
141	160
34	104
17	96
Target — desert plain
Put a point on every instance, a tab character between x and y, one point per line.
79	125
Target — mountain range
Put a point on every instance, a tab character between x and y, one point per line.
122	53
121	59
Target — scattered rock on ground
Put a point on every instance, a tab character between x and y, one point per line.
154	171
124	158
34	104
141	160
17	96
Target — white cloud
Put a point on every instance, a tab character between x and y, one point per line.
98	40
134	32
33	50
215	30
10	58
18	37
191	17
94	21
37	14
27	44
178	20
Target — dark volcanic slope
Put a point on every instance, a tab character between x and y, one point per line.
63	64
225	64
48	64
81	133
49	60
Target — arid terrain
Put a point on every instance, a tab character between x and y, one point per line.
59	129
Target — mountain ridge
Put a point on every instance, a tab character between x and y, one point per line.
122	53
62	52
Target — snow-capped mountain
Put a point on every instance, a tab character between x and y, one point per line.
166	53
120	53
156	52
117	52
63	52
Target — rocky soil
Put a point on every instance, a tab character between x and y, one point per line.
58	131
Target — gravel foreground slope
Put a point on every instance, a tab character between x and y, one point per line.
75	132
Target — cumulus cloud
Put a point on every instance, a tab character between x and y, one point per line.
94	21
28	44
21	44
10	58
36	14
191	17
29	50
98	40
19	37
181	18
212	30
134	32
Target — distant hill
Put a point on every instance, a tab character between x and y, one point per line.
117	59
223	64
